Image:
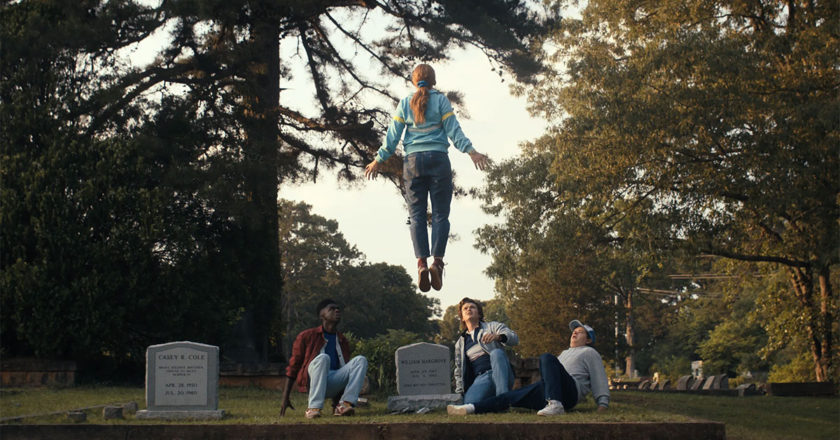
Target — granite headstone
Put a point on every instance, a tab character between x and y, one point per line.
182	380
423	378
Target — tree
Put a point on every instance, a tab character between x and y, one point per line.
721	116
557	264
100	234
319	263
313	253
212	99
381	297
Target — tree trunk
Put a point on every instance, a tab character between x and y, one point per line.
629	335
260	223
827	320
803	287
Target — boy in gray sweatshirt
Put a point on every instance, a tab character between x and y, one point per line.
566	379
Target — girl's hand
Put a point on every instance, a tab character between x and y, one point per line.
479	160
372	169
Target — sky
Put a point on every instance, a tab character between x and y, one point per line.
372	215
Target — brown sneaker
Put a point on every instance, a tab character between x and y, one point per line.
423	279
312	413
344	409
436	274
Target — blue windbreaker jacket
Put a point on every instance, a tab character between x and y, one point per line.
433	135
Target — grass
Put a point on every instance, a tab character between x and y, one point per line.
757	417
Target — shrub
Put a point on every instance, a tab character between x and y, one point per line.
380	351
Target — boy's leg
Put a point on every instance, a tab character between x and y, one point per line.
529	396
502	373
481	388
319	369
352	378
559	384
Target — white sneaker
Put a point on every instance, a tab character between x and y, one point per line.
553	408
460	410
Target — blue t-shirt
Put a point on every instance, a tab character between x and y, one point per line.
331	351
479	359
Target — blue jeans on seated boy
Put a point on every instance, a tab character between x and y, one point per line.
497	380
556	384
324	382
428	175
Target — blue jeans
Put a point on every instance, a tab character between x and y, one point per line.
324	382
497	380
428	175
556	384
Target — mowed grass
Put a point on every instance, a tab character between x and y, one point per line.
756	417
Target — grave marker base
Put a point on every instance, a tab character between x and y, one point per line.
181	415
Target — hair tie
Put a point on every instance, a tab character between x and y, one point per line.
421	84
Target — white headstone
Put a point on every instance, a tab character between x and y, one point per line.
423	378
182	381
423	368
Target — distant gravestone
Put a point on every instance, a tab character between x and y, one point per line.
684	383
644	385
664	385
77	416
423	378
182	380
721	382
112	412
709	383
746	389
697	384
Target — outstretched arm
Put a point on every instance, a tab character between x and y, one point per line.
372	169
286	395
481	161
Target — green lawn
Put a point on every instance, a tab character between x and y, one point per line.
757	417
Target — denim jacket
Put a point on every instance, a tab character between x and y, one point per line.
463	373
432	135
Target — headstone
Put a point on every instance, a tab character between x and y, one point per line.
644	385
684	383
707	385
721	382
746	389
77	416
423	368
664	385
697	369
130	408
698	383
112	412
423	378
182	380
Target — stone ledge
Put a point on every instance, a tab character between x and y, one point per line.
700	430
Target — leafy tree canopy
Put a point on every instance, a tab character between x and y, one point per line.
720	119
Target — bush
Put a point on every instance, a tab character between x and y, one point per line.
380	351
673	367
799	369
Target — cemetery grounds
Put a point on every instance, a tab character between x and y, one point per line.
754	417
